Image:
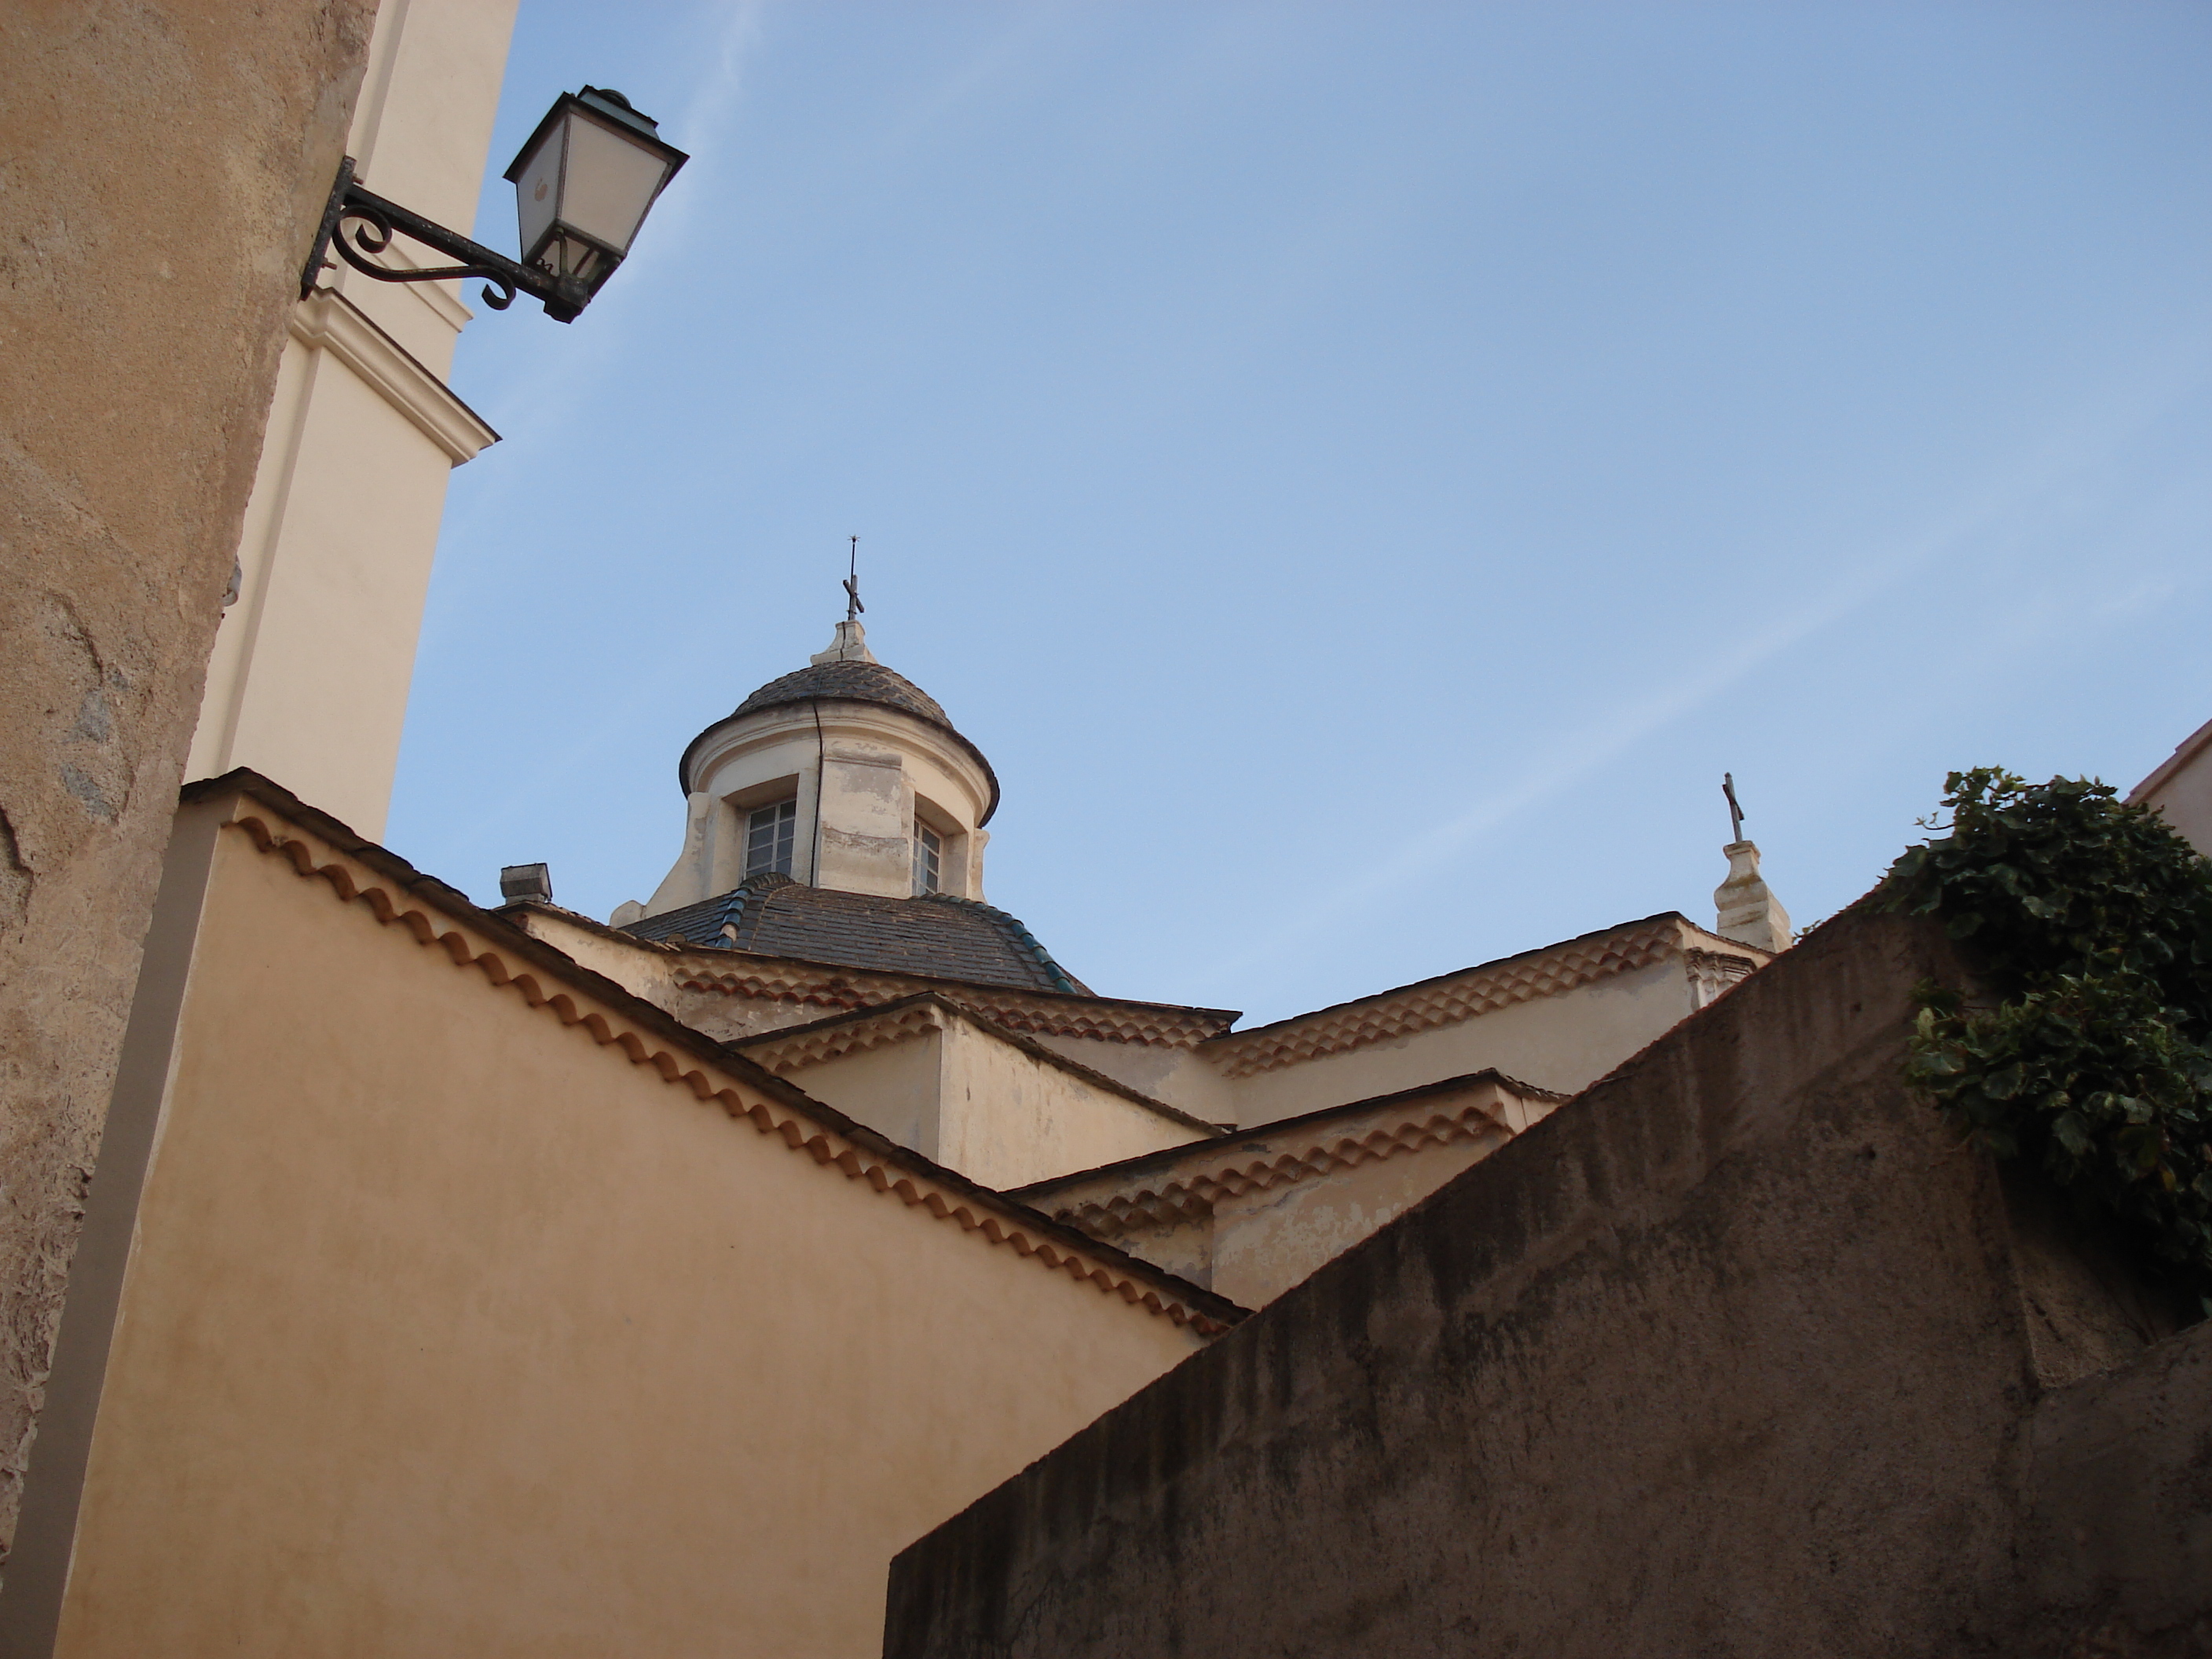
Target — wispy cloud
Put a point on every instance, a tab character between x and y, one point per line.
2002	511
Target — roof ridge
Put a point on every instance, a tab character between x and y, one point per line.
815	1041
731	931
1180	1182
721	915
648	1035
1451	997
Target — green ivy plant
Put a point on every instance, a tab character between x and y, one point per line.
2092	922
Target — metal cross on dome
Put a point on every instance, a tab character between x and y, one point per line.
853	605
1736	812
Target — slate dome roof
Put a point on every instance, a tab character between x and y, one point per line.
854	680
935	934
857	682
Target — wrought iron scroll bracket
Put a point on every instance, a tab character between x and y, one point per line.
357	223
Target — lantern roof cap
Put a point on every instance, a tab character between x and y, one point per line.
607	101
612	105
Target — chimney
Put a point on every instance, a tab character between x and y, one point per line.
527	884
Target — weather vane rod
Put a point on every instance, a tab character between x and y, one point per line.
1736	812
853	605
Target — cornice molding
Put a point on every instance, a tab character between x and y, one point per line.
1452	999
327	321
785	1053
793	1049
1187	1185
354	883
788	980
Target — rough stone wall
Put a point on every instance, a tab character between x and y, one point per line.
1740	1353
163	164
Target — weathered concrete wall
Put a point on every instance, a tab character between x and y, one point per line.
1738	1353
162	167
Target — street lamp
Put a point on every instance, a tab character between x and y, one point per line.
582	185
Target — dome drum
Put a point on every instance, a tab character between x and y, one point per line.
843	775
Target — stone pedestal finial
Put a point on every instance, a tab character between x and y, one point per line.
1749	913
851	645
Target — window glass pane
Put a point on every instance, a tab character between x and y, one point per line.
770	832
928	866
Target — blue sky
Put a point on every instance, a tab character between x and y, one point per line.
1361	471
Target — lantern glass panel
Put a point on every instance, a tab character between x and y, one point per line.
537	188
584	183
611	180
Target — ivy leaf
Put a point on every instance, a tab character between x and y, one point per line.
2092	920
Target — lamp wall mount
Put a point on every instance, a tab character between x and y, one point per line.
357	223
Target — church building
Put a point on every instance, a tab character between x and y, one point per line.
493	1281
826	918
442	1280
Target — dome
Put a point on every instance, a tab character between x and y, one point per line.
857	678
859	682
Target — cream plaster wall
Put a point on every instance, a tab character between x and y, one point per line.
2181	789
968	1099
309	677
1009	1118
1563	1042
896	1090
690	878
449	1330
1185	1242
638	968
308	683
1183	1078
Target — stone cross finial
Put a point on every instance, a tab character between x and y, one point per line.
1749	912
